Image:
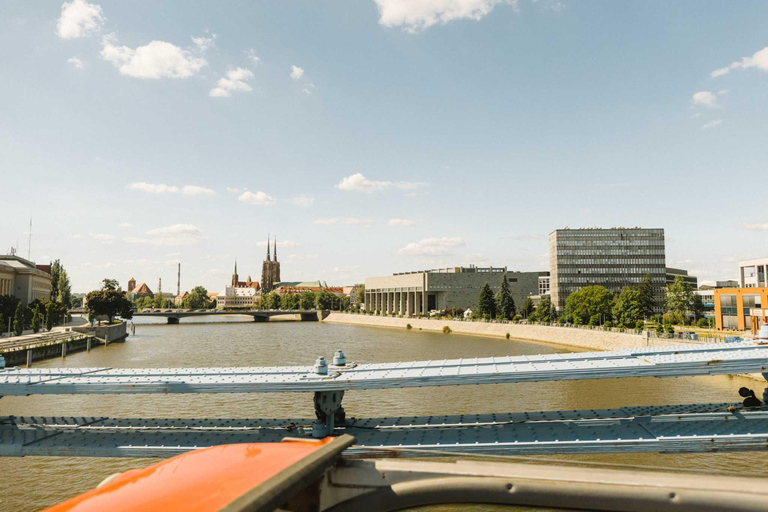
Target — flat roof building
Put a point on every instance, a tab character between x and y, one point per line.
752	273
24	280
419	292
674	272
613	258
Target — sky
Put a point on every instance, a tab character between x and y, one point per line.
376	136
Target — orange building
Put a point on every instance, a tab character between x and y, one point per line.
735	308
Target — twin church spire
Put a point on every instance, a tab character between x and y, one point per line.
270	270
269	257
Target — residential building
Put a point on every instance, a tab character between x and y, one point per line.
422	291
237	297
613	258
672	273
753	273
24	280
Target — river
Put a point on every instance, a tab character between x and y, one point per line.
35	482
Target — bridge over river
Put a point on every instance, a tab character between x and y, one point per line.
258	315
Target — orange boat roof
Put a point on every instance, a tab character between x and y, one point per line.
202	480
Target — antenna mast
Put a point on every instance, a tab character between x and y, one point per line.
178	282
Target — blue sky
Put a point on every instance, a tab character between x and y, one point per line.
376	136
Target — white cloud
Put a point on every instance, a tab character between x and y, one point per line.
296	72
410	185
758	60
153	188
194	190
234	81
359	182
77	63
431	246
77	236
126	225
177	234
256	198
203	43
78	19
347	221
103	238
704	99
252	55
155	60
401	222
711	124
233	190
722	91
284	244
303	201
757	226
417	15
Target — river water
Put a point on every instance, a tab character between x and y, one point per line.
35	482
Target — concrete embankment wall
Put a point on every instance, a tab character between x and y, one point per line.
117	332
586	339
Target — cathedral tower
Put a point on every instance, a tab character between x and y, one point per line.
270	270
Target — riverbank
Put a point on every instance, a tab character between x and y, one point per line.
583	339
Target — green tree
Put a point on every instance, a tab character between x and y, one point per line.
36	320
55	274
197	299
8	305
18	321
306	300
274	300
325	300
158	301
697	307
110	284
359	293
263	301
289	301
109	303
486	303
543	311
527	308
679	297
628	308
65	289
50	316
589	305
75	302
505	304
646	296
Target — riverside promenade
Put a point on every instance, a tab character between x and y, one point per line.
584	339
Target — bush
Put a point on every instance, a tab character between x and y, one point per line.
703	323
516	318
561	320
507	335
408	326
609	324
670	329
446	329
594	320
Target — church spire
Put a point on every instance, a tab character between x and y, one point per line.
275	248
268	253
235	266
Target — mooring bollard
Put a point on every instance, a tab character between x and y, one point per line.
64	349
88	344
29	357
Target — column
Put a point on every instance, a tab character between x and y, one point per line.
400	303
408	303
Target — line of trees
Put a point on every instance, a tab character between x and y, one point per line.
305	300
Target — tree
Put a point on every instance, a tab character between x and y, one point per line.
289	301
325	300
65	289
197	299
543	310
109	303
18	321
49	316
274	300
8	305
679	297
306	300
110	284
646	296
697	307
55	274
628	307
36	320
158	301
359	293
505	304
75	302
486	303
590	304
527	307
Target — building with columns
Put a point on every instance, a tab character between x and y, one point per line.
24	280
419	292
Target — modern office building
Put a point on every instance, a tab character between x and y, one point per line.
753	273
420	292
24	280
614	258
735	308
672	273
